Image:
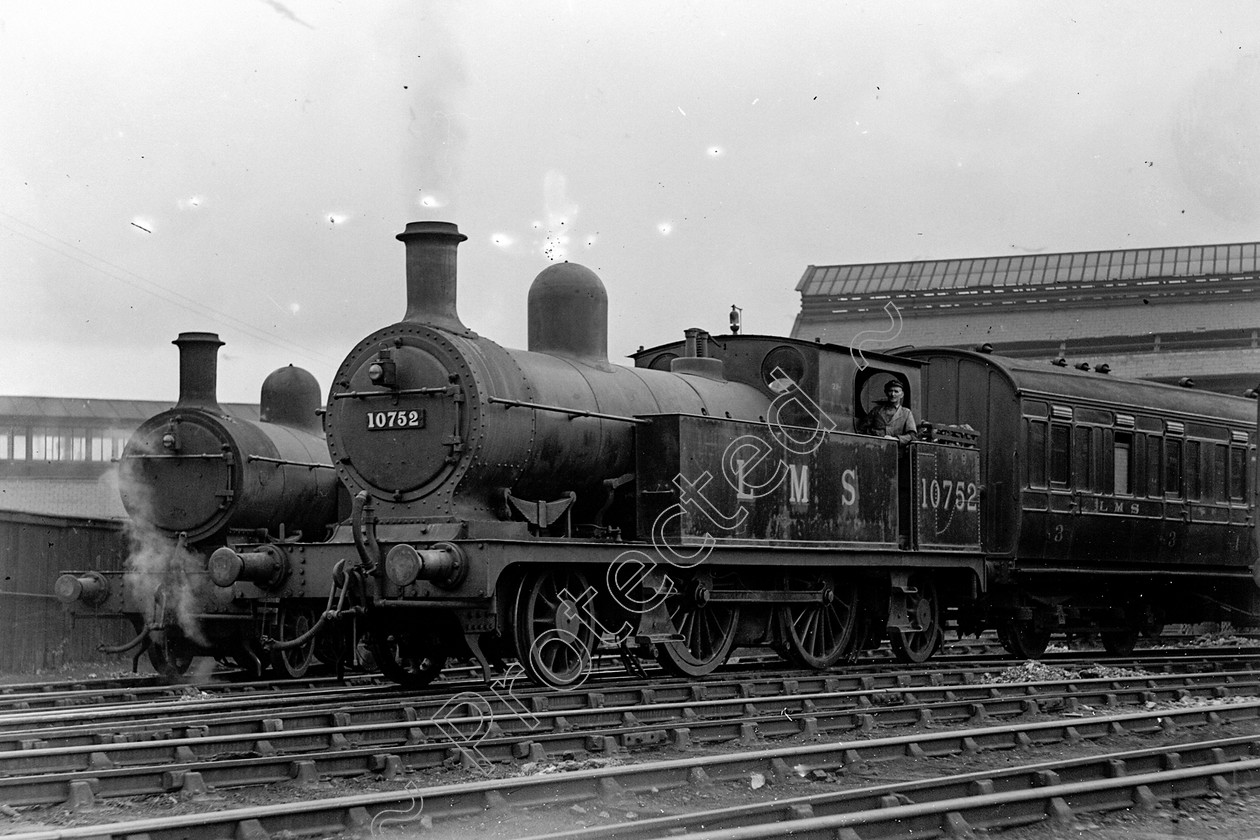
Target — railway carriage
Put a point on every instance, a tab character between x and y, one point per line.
1111	505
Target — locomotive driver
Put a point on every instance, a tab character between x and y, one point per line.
889	418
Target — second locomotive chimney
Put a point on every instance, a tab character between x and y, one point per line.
198	370
431	274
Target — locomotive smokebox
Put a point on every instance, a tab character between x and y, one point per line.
568	313
198	370
431	274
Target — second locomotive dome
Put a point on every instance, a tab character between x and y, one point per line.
426	411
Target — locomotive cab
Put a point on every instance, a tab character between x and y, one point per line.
837	385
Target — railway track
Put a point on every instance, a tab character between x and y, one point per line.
1217	766
421	737
112	692
200	713
790	729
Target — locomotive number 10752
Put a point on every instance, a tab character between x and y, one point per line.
395	419
959	495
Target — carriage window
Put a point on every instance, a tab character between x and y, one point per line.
1082	458
1123	468
1036	454
1237	473
1172	468
1193	470
1060	472
1217	474
1154	471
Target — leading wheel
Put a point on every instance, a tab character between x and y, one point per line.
554	639
170	654
818	635
293	662
707	629
927	631
409	661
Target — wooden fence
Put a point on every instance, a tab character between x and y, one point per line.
36	632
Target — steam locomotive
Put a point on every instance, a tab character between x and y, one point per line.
195	478
539	505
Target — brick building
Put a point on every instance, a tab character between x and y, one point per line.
1152	313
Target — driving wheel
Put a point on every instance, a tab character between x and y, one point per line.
554	640
707	629
818	635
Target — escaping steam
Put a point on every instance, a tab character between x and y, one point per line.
161	574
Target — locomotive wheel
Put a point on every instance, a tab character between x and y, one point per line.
925	613
708	630
553	643
170	655
819	635
293	663
1021	639
1119	642
405	661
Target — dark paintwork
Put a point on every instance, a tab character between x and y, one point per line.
1084	522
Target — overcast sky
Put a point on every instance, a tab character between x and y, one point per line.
242	166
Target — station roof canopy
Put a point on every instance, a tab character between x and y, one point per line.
128	412
1081	268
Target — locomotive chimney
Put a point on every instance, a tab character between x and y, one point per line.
198	370
431	274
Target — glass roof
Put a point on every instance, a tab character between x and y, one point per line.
71	409
1084	267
